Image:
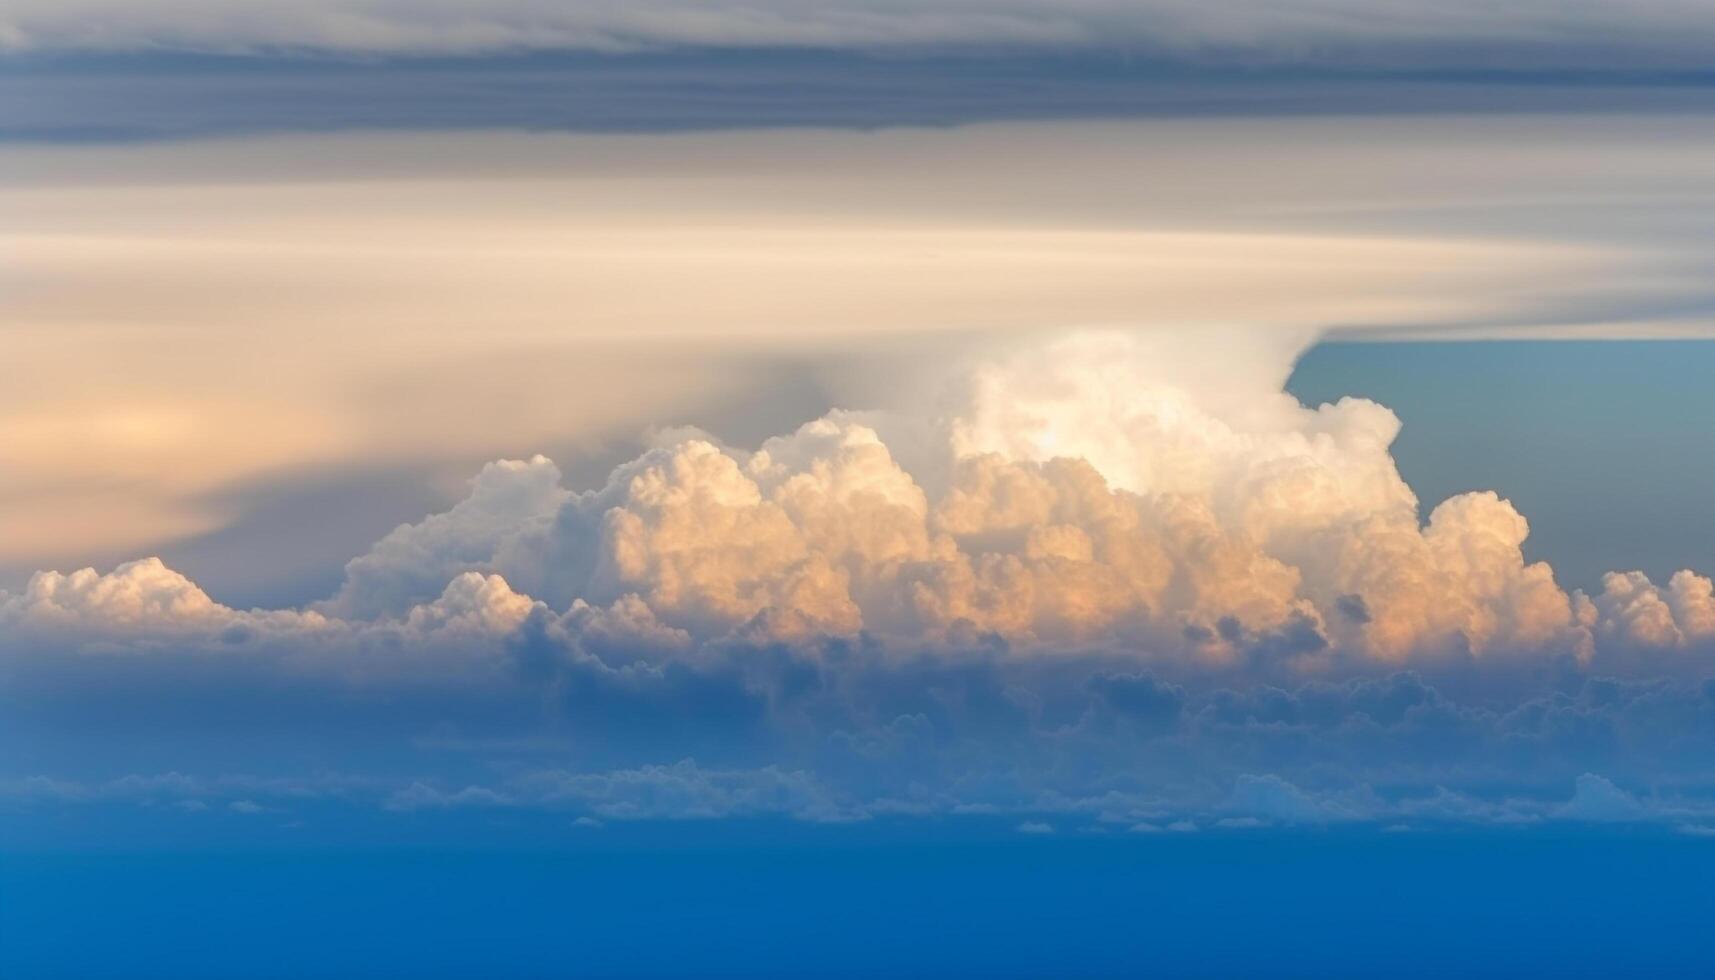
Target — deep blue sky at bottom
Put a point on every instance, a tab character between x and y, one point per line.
945	898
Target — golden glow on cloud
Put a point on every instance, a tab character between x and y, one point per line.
1195	522
182	319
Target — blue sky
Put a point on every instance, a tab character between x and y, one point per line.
1642	402
1002	488
766	900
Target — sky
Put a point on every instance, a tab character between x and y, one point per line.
1241	469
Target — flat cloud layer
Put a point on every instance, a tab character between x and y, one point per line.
1400	33
1120	575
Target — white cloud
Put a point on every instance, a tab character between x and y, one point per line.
1633	611
1096	488
137	594
474	603
136	603
623	630
1262	508
415	561
1123	490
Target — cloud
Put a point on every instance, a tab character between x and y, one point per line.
1120	583
414	562
1046	776
685	790
1125	492
1636	612
472	602
1461	32
1269	797
1141	700
1596	798
138	604
1107	489
136	595
117	450
419	795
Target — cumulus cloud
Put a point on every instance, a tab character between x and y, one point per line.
414	563
1633	611
137	594
1118	581
1110	489
472	602
1128	492
1463	32
137	603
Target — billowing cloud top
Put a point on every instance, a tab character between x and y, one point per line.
1413	33
1127	492
1014	577
1137	493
